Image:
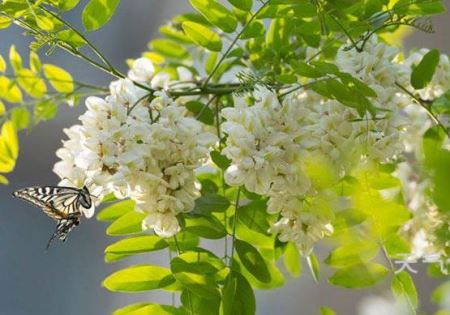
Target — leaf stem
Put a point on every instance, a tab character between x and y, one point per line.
426	106
225	55
233	236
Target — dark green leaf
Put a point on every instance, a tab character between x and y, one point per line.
254	29
238	297
211	203
220	160
206	226
255	216
202	112
423	73
200	305
252	260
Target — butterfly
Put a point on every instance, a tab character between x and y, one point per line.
63	204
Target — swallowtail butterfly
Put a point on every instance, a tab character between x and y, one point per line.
63	204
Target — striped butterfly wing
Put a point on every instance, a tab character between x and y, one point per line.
57	202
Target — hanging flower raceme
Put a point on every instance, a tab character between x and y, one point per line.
146	151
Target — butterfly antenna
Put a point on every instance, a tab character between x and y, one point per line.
51	239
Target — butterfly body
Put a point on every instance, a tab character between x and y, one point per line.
63	204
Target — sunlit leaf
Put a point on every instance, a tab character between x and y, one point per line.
216	14
203	36
31	83
136	245
14	58
139	278
359	276
404	289
116	210
60	79
353	253
292	260
98	12
129	223
20	116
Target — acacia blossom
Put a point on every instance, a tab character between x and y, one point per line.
146	151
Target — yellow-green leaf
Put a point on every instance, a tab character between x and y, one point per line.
216	14
45	23
98	12
20	117
15	59
31	83
5	22
359	276
35	62
139	278
60	79
2	108
3	180
9	91
202	36
351	254
2	64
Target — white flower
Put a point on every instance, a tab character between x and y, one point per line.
142	70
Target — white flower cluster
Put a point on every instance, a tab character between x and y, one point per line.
421	229
146	151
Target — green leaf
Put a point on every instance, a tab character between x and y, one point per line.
238	297
419	7
200	305
60	79
441	293
199	261
305	70
206	226
129	223
277	279
169	48
220	160
254	216
97	13
359	276
326	311
139	278
351	254
314	266
184	241
135	245
423	73
211	202
14	58
2	109
404	289
245	5
71	37
202	112
20	117
292	260
116	210
202	35
253	30
31	83
45	110
440	106
216	14
199	284
4	180
252	260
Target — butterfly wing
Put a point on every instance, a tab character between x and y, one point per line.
64	227
57	202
